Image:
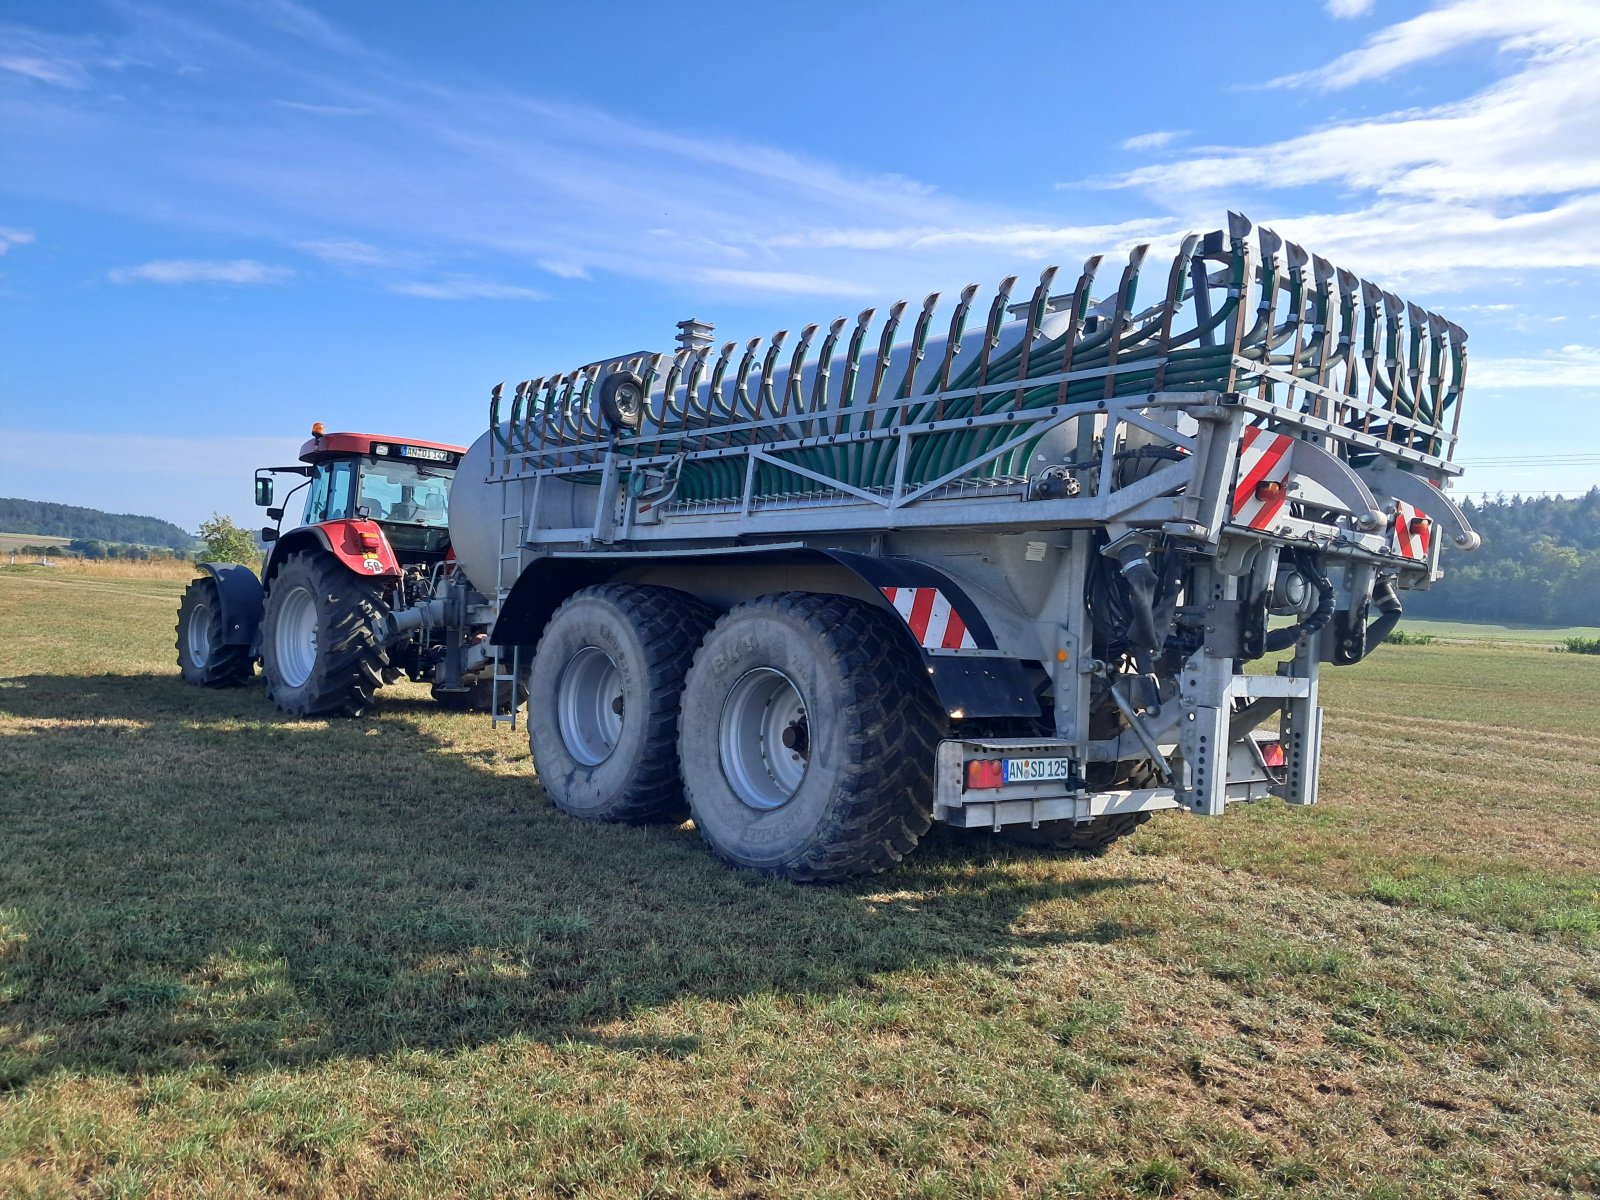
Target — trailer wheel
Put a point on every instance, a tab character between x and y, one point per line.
808	738
320	650
203	657
1092	837
603	701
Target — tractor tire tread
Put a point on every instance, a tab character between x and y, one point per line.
349	671
225	665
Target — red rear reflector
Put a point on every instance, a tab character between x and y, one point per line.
985	773
1270	489
1272	753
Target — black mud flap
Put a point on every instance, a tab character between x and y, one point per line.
242	599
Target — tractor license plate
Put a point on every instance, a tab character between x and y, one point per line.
427	452
1036	770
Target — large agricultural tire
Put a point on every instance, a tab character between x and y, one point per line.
603	699
808	738
203	657
1091	838
320	651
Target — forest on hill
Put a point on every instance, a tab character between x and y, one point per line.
1539	565
90	524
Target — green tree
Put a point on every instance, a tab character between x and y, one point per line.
223	541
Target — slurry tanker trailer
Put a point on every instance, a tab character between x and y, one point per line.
1041	566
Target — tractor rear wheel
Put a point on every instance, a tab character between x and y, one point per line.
603	701
1090	838
808	738
320	650
205	659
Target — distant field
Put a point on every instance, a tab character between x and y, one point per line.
1475	631
15	541
242	955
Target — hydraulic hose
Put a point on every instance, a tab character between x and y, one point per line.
1387	598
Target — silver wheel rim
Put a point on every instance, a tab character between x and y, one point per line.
589	707
200	634
294	640
764	738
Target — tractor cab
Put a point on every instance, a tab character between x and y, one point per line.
402	484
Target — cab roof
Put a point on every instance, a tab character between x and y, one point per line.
338	445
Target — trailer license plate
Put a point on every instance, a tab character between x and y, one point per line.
1036	770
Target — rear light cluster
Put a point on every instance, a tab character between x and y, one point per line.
369	541
985	773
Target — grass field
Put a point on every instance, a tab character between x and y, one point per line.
11	542
242	955
1474	631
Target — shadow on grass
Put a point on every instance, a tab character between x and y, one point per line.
192	879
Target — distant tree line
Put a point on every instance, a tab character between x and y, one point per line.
91	526
1539	564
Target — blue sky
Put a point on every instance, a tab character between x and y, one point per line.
221	220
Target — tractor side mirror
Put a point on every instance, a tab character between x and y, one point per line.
274	514
263	490
268	534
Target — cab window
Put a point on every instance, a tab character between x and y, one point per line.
329	498
405	493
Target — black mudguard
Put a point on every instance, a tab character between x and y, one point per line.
243	601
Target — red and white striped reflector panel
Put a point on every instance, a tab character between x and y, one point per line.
1412	531
1263	458
932	619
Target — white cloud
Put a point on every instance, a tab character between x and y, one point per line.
322	110
1492	182
349	252
564	270
1344	10
13	237
463	288
1548	27
1571	368
490	175
791	282
1154	140
190	270
45	58
1445	245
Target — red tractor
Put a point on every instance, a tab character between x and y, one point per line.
361	591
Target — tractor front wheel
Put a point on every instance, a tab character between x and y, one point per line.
203	657
320	651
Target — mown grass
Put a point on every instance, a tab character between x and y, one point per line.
242	955
1475	631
